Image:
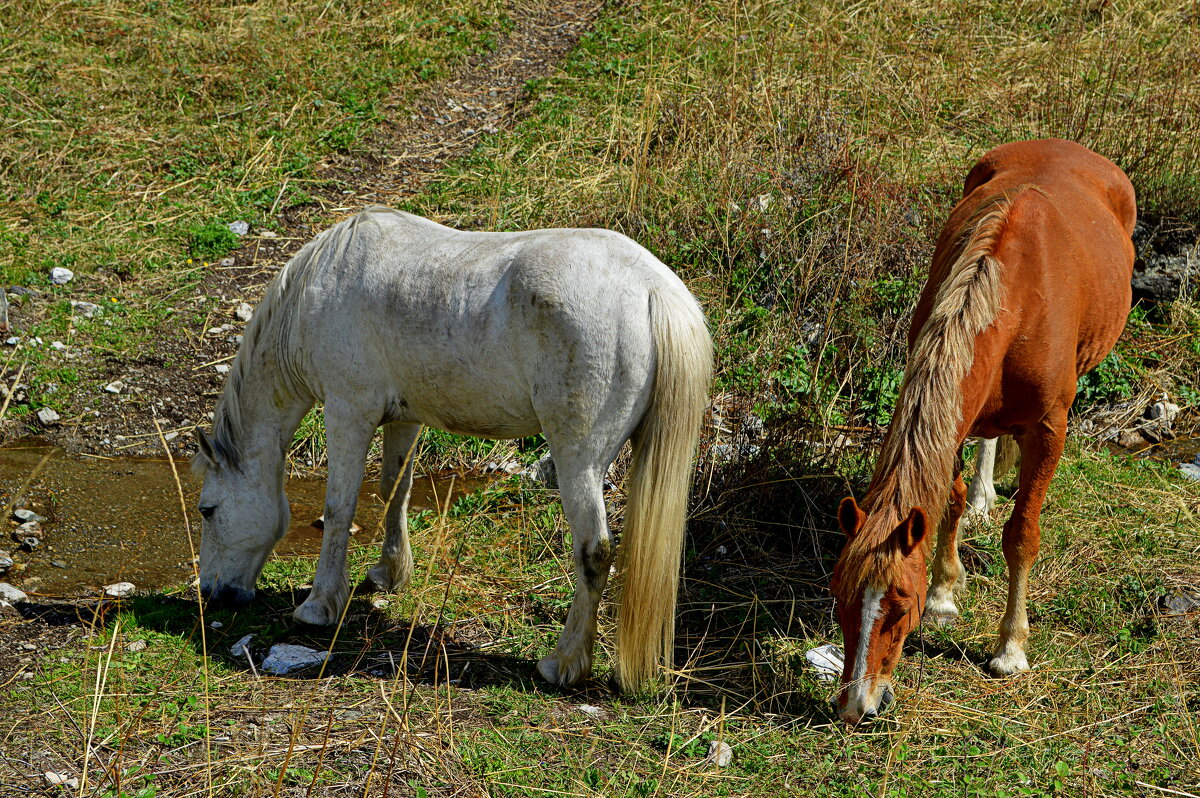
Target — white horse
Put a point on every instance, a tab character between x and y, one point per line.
394	320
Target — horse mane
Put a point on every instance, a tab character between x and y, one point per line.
266	340
916	466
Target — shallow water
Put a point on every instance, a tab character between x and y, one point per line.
112	520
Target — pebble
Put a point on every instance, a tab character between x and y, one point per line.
136	646
591	711
11	594
222	368
57	346
719	753
1190	471
48	416
28	528
285	658
240	648
119	589
61	780
116	386
26	516
239	228
13	341
61	276
57	564
86	309
827	661
30	543
380	604
244	311
6	562
268	234
216	625
226	263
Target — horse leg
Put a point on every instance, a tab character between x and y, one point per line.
582	490
395	565
1041	449
982	496
948	572
349	436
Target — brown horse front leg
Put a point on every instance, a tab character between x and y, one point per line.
948	572
1041	448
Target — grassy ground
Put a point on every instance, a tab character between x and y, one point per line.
794	163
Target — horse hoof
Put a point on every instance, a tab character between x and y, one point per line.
941	619
941	609
379	579
1008	664
554	673
314	613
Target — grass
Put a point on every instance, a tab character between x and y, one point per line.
793	162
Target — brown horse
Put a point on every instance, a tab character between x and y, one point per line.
1029	288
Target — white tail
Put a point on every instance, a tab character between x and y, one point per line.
659	481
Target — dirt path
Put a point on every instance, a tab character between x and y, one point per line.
178	379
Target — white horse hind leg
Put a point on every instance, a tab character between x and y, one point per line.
981	498
348	437
395	565
583	504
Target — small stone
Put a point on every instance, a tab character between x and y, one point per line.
239	228
1190	471
216	625
6	562
26	516
214	331
11	594
119	589
543	471
761	203
57	346
222	368
28	528
30	543
61	780
116	386
268	234
244	311
136	646
86	309
240	648
13	341
48	416
61	276
285	658
719	754
380	604
591	711
57	564
226	263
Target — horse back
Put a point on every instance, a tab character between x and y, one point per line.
1066	262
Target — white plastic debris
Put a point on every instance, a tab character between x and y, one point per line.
61	276
119	589
827	661
719	753
285	658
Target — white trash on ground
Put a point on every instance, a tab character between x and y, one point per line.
827	661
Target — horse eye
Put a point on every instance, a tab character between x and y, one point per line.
208	511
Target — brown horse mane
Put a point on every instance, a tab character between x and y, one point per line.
916	466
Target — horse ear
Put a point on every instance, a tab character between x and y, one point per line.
911	531
206	456
850	518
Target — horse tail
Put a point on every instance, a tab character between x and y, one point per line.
1007	455
659	484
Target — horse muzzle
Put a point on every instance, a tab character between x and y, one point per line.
226	596
864	705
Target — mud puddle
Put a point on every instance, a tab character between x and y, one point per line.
112	520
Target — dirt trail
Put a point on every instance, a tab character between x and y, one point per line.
178	378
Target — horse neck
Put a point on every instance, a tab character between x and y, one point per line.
259	414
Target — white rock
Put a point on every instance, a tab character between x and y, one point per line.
57	346
119	589
827	661
1164	410
116	386
226	263
48	416
136	646
222	368
13	341
61	780
11	594
762	202
543	471
591	711
240	648
239	228
268	234
25	516
380	604
86	309
61	276
719	754
285	658
216	625
1190	471
244	311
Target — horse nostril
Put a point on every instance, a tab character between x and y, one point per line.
887	698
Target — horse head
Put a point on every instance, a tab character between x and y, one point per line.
879	584
244	514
